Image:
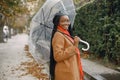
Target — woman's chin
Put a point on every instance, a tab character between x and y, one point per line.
66	27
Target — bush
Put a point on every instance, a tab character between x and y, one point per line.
99	24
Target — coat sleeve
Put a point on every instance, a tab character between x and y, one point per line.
60	52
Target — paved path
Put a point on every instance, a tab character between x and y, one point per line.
98	71
11	55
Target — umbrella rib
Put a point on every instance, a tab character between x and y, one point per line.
39	36
46	26
44	23
49	13
43	16
51	10
45	32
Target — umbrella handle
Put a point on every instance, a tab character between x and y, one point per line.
88	45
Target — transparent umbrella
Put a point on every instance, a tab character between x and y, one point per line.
41	27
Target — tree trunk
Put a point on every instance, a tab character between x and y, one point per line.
1	33
1	26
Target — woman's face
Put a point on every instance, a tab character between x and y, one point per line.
64	22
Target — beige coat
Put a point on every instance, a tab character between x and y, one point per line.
66	57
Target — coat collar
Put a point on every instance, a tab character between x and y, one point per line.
66	33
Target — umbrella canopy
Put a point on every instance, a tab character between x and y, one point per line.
42	25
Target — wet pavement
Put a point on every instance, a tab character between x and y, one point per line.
98	71
11	55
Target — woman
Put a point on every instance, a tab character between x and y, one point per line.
65	56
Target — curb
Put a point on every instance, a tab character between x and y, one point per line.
94	76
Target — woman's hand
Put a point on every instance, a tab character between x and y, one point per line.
76	41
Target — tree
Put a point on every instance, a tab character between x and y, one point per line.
16	12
